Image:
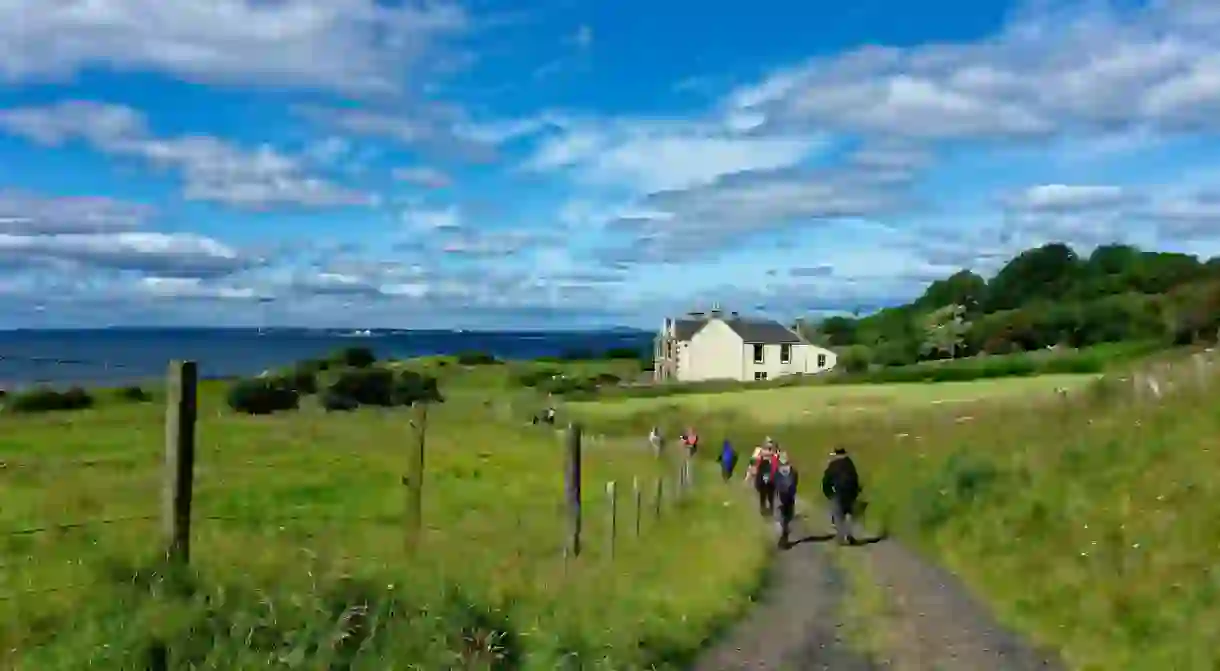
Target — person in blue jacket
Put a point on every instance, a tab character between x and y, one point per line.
728	460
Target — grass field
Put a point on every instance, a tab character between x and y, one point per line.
1088	522
796	404
298	557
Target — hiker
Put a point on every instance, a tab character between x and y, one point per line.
755	458
786	481
841	486
764	477
655	440
728	460
691	440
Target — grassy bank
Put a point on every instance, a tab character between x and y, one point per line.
298	557
1087	522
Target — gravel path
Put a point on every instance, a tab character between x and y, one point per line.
796	627
933	623
936	623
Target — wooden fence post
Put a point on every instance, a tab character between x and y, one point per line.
638	496
572	489
659	496
180	411
612	495
415	474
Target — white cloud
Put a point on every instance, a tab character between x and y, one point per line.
423	176
338	45
431	220
647	156
176	255
212	169
195	288
1069	70
29	214
1064	198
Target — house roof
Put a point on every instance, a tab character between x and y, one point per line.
762	331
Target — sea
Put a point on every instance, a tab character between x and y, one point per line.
104	357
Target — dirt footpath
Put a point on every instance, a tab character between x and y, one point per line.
796	627
932	622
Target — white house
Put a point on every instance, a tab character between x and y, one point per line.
726	346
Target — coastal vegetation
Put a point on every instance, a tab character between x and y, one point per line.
299	554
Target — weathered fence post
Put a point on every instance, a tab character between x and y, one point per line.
660	494
572	489
612	496
415	474
180	410
638	496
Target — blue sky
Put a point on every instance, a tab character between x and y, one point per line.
561	164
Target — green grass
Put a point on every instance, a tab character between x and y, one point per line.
1088	522
298	557
802	403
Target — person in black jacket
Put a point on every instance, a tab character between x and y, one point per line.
786	481
841	486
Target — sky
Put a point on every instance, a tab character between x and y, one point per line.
557	164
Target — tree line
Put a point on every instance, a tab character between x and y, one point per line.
1044	297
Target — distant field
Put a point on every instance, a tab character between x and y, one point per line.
299	518
788	404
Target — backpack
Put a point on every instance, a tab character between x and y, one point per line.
766	468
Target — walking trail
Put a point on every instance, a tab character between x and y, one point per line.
933	623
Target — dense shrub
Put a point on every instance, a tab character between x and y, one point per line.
533	377
366	386
301	380
262	396
45	399
355	357
624	353
335	402
134	393
476	359
412	387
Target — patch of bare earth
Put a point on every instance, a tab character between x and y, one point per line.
796	626
931	621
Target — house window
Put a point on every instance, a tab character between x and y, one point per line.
785	353
758	353
821	361
759	377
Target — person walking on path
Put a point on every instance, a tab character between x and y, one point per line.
841	486
728	460
786	481
691	440
764	477
655	440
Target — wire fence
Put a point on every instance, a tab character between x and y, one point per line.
185	471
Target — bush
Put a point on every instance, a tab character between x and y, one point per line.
476	359
412	387
45	399
355	357
334	402
624	353
262	396
135	394
302	380
534	377
365	386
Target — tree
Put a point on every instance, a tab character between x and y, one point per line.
944	330
1045	272
964	288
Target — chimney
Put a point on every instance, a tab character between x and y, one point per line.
716	311
734	314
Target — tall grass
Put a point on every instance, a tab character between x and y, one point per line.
298	554
1087	520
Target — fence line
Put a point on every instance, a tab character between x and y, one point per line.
182	464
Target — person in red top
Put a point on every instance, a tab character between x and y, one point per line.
692	441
